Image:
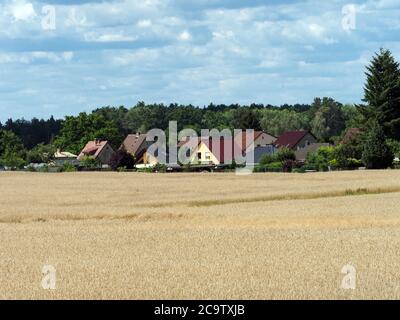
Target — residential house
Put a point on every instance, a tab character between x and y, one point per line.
295	140
301	154
62	157
208	151
261	139
99	150
136	145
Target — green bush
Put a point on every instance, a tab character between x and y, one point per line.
322	159
299	170
394	146
309	167
268	158
271	167
285	154
31	168
68	167
90	162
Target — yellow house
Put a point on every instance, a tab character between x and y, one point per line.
203	155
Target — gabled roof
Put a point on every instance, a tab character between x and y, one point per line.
92	148
247	139
233	149
64	154
133	142
290	139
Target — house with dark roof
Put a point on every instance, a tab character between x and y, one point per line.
260	139
136	145
99	150
295	140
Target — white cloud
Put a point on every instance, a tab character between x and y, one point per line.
22	10
146	23
29	57
185	36
108	37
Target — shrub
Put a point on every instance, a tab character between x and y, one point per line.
376	153
68	167
90	162
345	153
31	168
268	158
322	159
271	167
285	154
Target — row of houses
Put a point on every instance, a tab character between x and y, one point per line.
202	150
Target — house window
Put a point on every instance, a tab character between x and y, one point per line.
199	155
208	156
307	143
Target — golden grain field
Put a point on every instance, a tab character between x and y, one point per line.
200	236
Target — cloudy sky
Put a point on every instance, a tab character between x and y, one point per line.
61	57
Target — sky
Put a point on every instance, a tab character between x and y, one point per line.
61	57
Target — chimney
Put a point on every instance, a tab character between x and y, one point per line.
97	141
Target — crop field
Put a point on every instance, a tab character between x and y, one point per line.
200	236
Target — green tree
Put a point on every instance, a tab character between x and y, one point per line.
77	131
322	159
348	155
328	119
382	93
246	118
12	151
284	154
42	153
376	153
276	121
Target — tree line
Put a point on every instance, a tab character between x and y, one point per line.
326	118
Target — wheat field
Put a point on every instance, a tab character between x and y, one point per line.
200	236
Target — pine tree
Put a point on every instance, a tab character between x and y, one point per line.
382	93
376	153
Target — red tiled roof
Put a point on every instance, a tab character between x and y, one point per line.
290	139
92	148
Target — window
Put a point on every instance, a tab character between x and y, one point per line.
199	155
208	156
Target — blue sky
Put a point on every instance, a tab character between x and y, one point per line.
120	52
